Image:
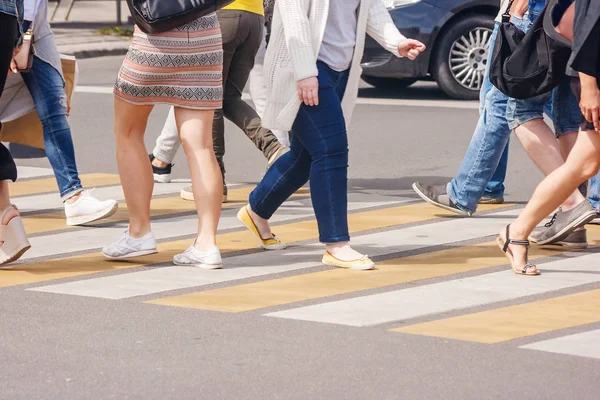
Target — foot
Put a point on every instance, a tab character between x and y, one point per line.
13	239
265	237
128	246
187	193
87	209
438	196
518	253
341	255
161	170
264	229
193	257
491	200
563	223
281	151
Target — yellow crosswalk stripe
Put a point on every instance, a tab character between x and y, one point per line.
514	322
332	282
52	221
229	242
48	185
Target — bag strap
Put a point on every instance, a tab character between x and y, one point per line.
506	15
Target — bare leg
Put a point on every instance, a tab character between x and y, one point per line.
195	130
583	163
542	147
135	170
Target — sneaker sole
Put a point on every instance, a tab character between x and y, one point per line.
131	255
190	196
15	255
491	201
574	246
439	205
566	231
162	178
86	219
199	265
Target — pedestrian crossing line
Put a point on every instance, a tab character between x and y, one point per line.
87	264
52	201
456	294
262	263
159	207
581	344
334	282
48	185
33	172
377	244
523	320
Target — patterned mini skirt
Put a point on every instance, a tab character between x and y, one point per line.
182	67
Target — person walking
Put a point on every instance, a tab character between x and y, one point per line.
46	85
13	239
313	71
500	115
583	161
242	25
183	67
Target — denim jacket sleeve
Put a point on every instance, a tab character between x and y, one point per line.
14	8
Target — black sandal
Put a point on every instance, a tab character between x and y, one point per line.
503	244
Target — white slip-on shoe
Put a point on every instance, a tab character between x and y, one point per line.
89	209
193	257
127	247
13	236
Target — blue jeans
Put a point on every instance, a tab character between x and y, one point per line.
47	89
319	153
487	156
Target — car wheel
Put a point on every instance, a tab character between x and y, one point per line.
462	56
388	83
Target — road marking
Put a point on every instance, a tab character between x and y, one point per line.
514	322
33	172
20	274
378	244
584	344
166	279
161	207
443	297
333	282
471	105
48	185
52	201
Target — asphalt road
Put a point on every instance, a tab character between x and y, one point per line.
441	317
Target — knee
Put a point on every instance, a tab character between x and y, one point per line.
196	141
589	169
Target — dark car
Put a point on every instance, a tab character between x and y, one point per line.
457	34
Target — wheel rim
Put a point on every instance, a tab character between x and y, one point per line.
469	57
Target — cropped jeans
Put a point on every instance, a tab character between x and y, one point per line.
319	153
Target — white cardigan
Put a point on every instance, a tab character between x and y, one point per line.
297	33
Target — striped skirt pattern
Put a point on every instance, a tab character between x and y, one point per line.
182	67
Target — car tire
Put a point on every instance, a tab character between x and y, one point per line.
389	83
447	79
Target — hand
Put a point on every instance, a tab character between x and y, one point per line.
308	91
590	104
410	48
13	64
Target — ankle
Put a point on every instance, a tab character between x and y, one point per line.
73	199
160	164
12	213
205	243
139	232
518	233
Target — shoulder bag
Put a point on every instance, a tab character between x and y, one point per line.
528	65
156	16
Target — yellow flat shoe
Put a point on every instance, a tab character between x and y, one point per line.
363	263
267	244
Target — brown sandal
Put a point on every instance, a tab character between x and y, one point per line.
503	244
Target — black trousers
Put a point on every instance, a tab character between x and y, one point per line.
9	30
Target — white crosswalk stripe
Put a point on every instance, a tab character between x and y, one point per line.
586	344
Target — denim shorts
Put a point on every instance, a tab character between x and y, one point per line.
561	103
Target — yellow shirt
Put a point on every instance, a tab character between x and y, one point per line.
253	6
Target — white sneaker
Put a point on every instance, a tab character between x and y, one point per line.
128	246
193	257
88	209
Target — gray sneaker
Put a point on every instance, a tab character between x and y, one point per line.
562	224
491	200
438	196
577	240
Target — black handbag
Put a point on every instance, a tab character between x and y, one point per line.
155	16
528	65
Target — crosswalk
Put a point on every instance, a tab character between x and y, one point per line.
437	276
